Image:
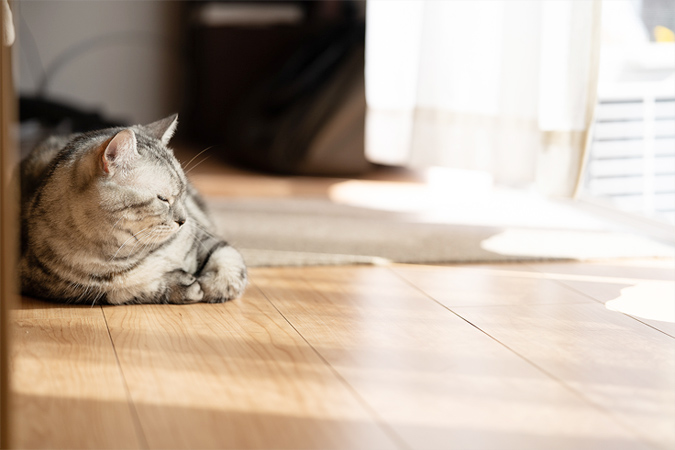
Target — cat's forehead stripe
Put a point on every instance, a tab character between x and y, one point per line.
149	148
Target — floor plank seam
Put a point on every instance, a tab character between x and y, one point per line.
649	325
572	288
130	401
378	420
617	420
627	315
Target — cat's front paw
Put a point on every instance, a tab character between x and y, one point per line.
183	288
224	277
193	293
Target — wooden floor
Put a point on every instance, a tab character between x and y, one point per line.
519	356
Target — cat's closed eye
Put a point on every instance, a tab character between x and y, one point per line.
164	199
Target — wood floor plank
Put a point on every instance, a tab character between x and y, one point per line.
435	379
30	308
67	390
234	375
617	363
649	302
612	360
485	285
648	283
643	289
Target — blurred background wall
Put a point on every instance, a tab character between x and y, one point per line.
121	58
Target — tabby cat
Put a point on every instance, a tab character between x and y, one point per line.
109	217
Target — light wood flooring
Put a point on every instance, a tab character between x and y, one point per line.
516	356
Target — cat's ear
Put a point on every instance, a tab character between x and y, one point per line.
120	152
163	129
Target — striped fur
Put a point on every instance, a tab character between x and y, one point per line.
109	217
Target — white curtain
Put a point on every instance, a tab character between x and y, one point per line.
501	86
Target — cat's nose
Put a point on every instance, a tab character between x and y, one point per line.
180	222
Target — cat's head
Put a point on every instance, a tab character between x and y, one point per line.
140	184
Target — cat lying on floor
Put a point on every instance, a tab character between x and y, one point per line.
109	217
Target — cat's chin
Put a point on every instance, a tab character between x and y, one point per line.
166	231
159	234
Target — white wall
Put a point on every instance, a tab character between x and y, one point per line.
133	76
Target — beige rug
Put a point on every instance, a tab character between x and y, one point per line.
298	232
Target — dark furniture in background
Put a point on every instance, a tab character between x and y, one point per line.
279	86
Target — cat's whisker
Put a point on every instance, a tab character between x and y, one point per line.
98	297
88	290
196	165
85	294
148	243
207	232
195	237
133	236
187	165
115	224
155	237
138	241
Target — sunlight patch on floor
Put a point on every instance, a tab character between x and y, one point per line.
441	189
645	299
575	244
456	197
653	300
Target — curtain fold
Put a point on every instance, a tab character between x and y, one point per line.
496	86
